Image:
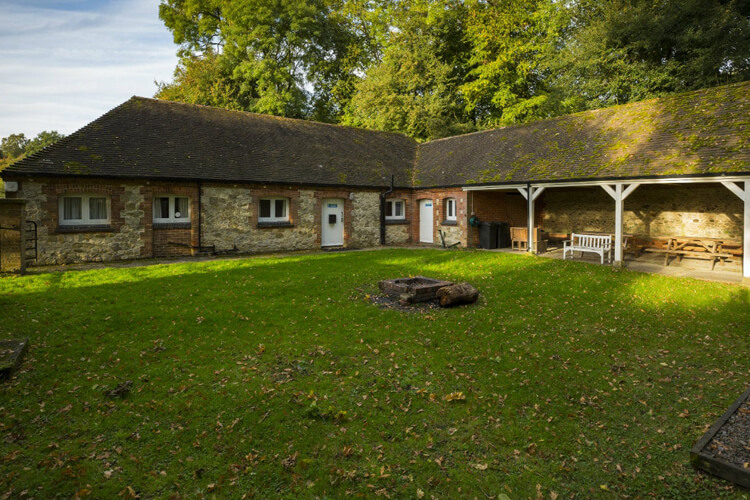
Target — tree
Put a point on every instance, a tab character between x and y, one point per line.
292	57
42	140
629	50
413	89
207	80
510	46
16	146
13	146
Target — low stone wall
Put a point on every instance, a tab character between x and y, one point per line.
708	210
452	234
397	234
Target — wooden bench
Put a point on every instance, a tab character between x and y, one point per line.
598	244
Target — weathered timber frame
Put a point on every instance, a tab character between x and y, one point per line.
620	189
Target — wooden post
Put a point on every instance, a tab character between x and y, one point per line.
619	193
530	224
744	195
531	194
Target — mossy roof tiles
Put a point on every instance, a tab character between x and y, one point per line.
149	138
702	132
695	133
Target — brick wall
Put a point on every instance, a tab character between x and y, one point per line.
167	240
453	232
12	236
502	206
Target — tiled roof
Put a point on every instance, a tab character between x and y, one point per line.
701	132
149	138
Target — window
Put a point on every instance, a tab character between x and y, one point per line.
395	210
273	210
450	209
171	209
87	209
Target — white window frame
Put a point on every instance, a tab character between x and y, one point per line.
171	219
448	203
392	204
273	217
85	220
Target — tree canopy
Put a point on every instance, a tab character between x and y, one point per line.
432	68
15	146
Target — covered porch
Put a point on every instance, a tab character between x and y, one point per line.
686	226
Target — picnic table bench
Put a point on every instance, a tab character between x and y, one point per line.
712	249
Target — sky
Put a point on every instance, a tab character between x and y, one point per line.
64	63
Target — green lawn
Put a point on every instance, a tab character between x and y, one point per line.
278	377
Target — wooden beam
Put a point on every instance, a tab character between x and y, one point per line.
523	192
610	191
629	190
733	187
537	192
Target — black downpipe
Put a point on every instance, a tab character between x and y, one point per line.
382	211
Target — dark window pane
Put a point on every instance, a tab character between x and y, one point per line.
180	208
399	209
72	208
265	208
389	209
162	208
97	208
280	208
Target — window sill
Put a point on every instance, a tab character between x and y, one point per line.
171	225
396	222
84	228
449	223
271	225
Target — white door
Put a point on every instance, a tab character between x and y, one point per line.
425	221
332	223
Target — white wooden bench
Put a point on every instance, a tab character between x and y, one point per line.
598	244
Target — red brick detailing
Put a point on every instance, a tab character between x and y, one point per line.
321	195
274	192
157	241
54	189
438	197
502	206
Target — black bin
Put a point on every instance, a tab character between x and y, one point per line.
503	235
488	235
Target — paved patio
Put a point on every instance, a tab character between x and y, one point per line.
730	272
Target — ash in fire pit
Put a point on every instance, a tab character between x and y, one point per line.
413	290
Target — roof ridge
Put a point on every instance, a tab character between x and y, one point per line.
273	117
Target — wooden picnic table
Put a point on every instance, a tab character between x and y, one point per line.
712	249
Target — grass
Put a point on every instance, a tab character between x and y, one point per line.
276	377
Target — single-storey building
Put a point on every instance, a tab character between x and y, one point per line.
152	178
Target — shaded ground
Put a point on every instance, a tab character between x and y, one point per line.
277	377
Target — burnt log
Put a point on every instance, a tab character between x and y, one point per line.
454	295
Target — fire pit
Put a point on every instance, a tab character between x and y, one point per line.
413	290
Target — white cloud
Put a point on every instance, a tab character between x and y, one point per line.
63	64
